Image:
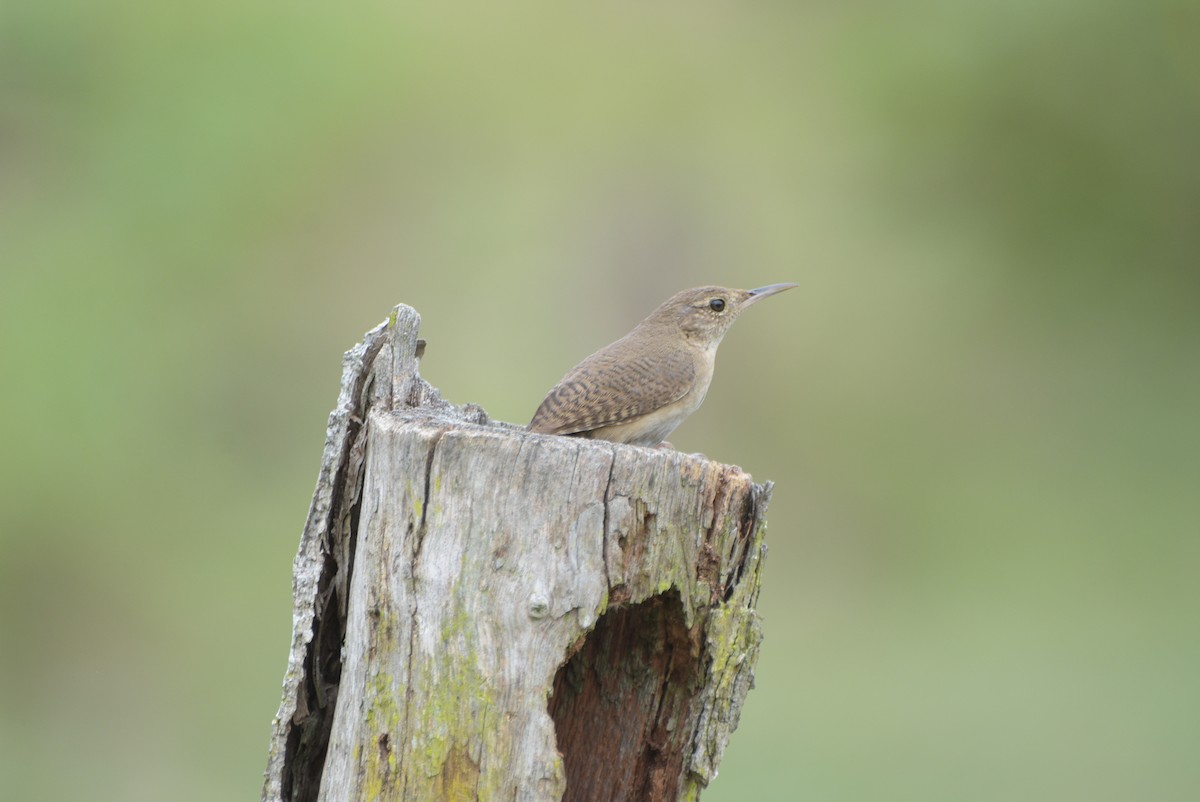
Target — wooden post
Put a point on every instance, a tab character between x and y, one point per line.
482	613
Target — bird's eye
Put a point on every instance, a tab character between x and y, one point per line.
717	304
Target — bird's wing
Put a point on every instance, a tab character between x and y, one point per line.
613	386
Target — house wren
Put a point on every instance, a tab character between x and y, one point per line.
638	389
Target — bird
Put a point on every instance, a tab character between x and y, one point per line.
638	389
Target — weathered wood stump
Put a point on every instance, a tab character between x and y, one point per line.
482	613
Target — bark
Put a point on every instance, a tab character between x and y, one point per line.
482	613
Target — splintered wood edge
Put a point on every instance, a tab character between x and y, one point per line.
392	347
347	415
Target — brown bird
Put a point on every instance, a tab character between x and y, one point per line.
638	389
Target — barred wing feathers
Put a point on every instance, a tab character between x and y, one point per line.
614	386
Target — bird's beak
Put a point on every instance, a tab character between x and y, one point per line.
767	291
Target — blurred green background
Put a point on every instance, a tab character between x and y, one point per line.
980	409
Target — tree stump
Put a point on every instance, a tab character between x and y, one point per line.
482	613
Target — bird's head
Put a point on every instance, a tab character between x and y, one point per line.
704	314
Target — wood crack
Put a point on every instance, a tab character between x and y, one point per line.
604	552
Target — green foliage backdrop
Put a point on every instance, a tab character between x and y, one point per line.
981	407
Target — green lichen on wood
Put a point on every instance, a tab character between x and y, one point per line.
691	789
383	715
452	712
458	780
732	639
380	778
445	715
